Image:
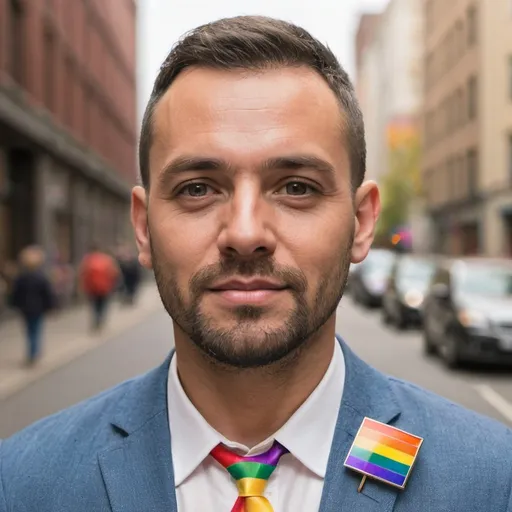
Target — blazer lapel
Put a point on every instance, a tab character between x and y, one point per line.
137	470
366	393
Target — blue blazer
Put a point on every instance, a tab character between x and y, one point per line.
112	453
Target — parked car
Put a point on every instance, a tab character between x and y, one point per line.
368	280
468	312
405	291
351	270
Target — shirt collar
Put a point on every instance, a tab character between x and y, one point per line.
307	434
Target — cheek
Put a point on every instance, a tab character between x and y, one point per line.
320	245
182	243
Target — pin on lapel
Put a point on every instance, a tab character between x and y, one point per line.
384	453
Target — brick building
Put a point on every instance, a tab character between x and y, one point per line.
365	36
67	123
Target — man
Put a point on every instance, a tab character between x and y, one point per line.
254	203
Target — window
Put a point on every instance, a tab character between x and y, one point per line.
460	38
16	57
428	13
70	89
448	116
452	185
510	76
88	106
510	156
49	69
472	170
472	97
460	108
472	26
428	71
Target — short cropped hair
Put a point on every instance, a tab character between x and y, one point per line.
258	43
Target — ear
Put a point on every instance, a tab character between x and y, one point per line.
367	210
139	215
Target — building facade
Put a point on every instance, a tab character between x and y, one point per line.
67	124
467	125
389	76
367	88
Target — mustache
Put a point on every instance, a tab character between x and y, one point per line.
231	267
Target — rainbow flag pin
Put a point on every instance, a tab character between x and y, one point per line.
383	452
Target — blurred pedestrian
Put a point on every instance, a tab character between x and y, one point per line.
99	275
33	297
62	277
131	274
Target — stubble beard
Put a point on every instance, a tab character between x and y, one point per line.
246	343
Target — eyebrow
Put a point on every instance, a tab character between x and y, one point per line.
185	164
289	162
297	162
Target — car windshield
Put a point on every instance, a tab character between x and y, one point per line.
416	270
486	280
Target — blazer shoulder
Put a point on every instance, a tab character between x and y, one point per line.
62	451
438	414
66	435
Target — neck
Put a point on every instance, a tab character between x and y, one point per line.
250	405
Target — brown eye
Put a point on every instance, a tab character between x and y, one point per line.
195	190
297	188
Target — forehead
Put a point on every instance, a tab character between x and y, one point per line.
248	115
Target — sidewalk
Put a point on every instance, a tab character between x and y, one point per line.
66	337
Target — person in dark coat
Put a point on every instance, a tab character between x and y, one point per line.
131	273
33	297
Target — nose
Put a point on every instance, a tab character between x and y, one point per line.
247	227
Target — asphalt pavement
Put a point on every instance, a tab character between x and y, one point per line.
144	346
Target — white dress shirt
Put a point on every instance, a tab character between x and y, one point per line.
297	483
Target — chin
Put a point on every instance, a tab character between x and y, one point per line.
246	314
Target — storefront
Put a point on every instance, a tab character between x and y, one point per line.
458	231
5	232
507	230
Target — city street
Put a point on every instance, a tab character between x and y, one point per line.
144	346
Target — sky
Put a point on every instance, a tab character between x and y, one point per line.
162	22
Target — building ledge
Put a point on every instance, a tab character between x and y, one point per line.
40	130
454	206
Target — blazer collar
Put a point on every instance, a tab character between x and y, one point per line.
137	469
367	392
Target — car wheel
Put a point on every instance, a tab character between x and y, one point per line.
450	350
386	317
354	294
400	322
429	348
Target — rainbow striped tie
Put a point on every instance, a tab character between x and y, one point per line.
251	475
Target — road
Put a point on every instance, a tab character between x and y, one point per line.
145	346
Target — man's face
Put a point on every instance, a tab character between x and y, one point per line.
250	223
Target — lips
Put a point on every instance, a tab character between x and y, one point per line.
253	292
248	285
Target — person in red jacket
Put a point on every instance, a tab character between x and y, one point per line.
99	275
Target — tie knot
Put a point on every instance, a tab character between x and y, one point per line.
250	473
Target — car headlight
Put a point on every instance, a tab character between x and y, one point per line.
413	299
473	319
